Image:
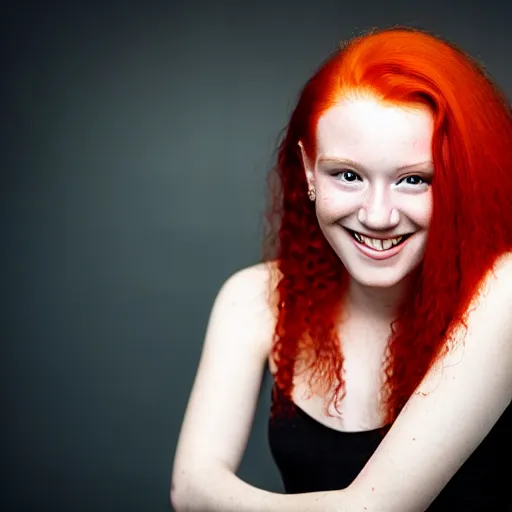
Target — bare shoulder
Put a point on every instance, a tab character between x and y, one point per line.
245	301
502	270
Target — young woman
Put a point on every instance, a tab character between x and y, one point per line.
384	311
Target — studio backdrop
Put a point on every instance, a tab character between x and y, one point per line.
136	139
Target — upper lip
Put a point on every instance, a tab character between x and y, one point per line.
379	237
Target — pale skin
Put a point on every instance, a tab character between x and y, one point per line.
426	444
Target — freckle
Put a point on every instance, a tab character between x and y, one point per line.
414	439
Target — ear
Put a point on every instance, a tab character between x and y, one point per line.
308	168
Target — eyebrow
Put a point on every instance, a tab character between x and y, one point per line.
427	165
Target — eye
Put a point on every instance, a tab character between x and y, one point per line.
347	176
414	179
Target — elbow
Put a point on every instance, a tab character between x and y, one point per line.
188	492
201	490
183	500
175	502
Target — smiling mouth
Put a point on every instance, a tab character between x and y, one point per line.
378	244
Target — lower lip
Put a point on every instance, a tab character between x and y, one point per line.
379	255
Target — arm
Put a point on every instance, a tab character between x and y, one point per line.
223	400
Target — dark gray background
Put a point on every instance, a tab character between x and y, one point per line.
136	137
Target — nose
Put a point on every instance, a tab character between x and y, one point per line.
377	212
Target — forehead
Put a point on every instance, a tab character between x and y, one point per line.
375	133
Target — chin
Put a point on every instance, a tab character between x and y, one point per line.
386	279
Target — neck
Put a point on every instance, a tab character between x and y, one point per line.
379	303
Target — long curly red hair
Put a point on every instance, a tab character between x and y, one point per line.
471	224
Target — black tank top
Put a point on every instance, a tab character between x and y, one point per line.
312	457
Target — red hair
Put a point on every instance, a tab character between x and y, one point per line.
471	224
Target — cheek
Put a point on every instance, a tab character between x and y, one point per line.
332	207
423	212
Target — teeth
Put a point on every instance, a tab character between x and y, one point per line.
386	244
378	245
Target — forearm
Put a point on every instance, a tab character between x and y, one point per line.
222	491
